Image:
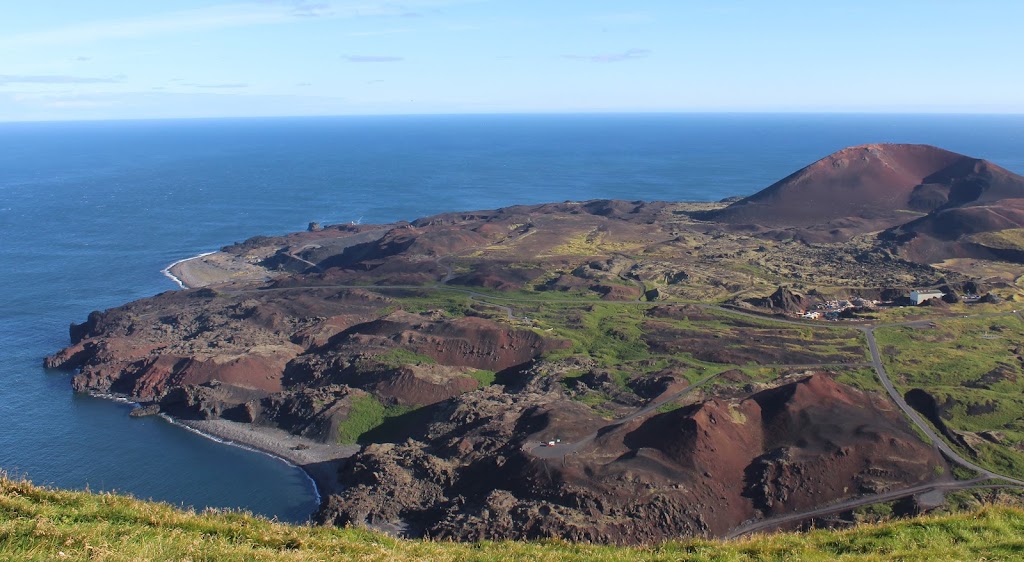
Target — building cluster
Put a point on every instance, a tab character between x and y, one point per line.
833	309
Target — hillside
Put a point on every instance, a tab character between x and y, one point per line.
919	189
40	524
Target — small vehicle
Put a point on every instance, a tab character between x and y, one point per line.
551	443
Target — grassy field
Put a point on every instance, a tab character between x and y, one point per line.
973	368
38	524
366	414
1010	238
614	336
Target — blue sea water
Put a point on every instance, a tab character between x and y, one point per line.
91	212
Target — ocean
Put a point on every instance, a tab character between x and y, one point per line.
91	212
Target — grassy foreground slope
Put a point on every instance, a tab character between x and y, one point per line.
44	524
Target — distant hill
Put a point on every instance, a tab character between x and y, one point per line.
912	190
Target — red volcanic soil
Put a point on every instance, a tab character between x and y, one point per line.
982	198
697	470
461	342
777	451
873	187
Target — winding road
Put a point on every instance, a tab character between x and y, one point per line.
778	521
941	444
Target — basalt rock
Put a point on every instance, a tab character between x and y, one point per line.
699	470
782	301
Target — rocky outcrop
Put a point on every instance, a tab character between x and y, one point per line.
292	362
782	301
698	470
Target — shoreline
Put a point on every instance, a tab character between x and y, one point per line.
167	270
319	462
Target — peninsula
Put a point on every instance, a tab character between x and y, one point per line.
620	372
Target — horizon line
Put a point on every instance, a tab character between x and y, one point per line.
530	113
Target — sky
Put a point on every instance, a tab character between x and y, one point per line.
132	59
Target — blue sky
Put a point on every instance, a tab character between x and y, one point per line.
116	59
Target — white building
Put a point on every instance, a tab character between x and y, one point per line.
919	297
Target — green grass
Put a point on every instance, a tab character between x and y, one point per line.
398	356
1004	460
950	361
452	303
593	398
40	524
669	407
484	377
365	415
1011	238
955	351
863	378
875	511
963	473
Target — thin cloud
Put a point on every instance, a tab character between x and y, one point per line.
372	58
631	54
223	85
379	32
83	59
6	79
623	18
311	10
221	16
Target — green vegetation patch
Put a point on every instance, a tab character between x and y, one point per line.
452	303
953	352
1008	239
607	333
365	414
1004	460
863	378
484	377
398	356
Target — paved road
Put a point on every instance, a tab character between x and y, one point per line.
941	444
774	522
938	442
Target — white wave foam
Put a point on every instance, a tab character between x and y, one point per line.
167	270
113	398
